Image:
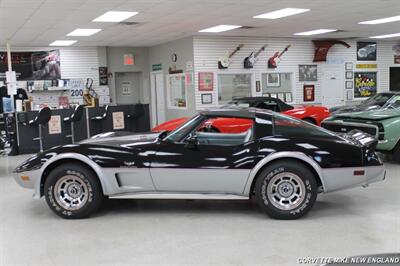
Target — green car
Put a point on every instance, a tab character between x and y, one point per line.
382	123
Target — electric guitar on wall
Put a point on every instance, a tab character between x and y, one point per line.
274	60
252	58
225	61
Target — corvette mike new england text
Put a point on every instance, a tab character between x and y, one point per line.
352	260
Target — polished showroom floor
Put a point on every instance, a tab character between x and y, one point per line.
346	223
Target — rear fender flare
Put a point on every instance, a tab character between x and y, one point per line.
282	155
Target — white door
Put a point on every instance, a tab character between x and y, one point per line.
157	98
332	85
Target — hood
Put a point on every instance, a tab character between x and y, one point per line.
354	108
118	138
375	115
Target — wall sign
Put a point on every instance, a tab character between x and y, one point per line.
118	120
129	60
397	59
55	124
206	81
273	80
156	67
126	88
366	66
366	51
365	84
33	65
309	93
76	91
308	73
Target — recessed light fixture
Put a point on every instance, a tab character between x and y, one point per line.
315	32
381	20
386	36
220	28
115	16
62	43
83	32
282	13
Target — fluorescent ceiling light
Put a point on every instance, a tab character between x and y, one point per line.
381	20
314	32
62	43
282	13
386	36
83	32
115	16
220	28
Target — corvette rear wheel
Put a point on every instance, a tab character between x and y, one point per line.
73	191
286	190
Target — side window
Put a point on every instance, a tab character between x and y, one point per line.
225	131
269	105
291	127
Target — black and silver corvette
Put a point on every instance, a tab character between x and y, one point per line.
280	161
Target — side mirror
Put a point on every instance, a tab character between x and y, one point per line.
191	142
163	134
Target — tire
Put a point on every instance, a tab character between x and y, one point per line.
294	185
77	182
309	120
396	153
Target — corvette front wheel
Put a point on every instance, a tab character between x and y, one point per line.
73	191
286	190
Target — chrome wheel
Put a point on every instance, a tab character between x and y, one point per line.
286	191
71	192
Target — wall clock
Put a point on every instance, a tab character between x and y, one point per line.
174	57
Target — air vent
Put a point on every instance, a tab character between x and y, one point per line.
127	23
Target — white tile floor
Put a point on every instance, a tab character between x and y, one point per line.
352	222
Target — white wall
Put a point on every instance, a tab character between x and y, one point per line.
161	54
208	49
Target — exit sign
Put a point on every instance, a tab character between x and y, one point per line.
129	60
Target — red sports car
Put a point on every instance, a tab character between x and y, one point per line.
309	113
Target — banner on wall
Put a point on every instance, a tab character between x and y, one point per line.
39	65
365	84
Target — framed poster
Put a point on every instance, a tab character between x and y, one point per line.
206	81
349	95
258	86
308	73
118	120
349	84
273	80
349	74
366	51
55	124
349	66
281	96
103	76
365	84
206	98
309	93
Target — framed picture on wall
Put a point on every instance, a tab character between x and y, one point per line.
349	66
308	73
365	84
288	97
349	95
366	51
309	93
206	98
349	74
273	80
206	81
273	95
258	86
349	84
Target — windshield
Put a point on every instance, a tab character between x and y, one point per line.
379	99
180	132
394	102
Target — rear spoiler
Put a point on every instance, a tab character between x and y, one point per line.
362	138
